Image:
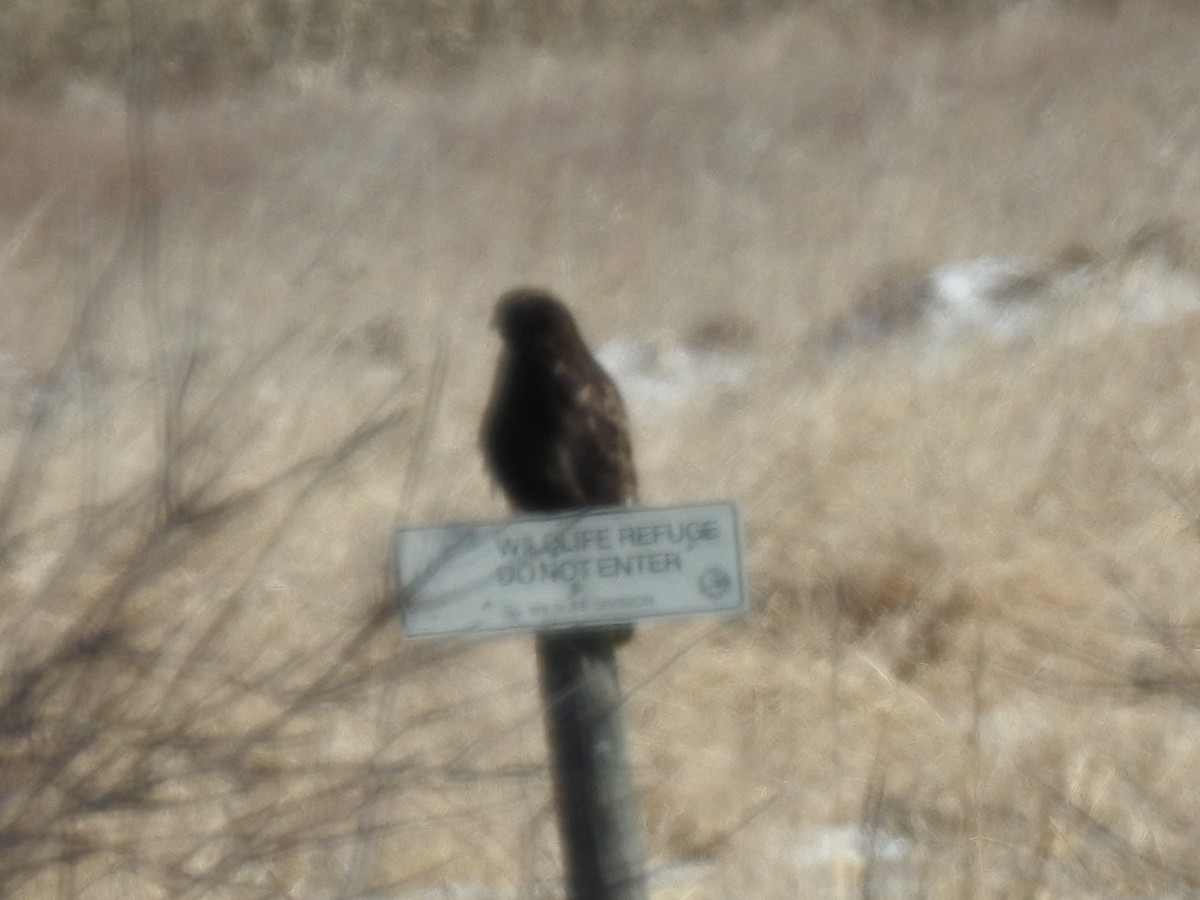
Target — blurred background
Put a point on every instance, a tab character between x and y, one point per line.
916	284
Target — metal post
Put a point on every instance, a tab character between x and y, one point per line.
593	785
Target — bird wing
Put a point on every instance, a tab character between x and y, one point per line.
596	455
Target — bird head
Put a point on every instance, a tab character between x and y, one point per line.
531	317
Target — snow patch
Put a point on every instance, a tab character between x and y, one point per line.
1153	291
658	376
1004	299
996	297
847	844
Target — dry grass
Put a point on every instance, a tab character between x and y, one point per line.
205	44
242	336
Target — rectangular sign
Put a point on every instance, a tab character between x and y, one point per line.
591	567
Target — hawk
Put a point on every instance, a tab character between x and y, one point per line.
555	434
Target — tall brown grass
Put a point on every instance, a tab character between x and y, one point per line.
244	334
215	44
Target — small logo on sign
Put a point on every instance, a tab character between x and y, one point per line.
715	583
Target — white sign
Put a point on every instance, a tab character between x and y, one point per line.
578	569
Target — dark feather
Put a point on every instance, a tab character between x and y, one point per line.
555	434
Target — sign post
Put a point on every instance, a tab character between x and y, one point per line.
593	784
569	578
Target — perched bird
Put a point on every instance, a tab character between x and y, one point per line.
555	434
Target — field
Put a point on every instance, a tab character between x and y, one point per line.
921	294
